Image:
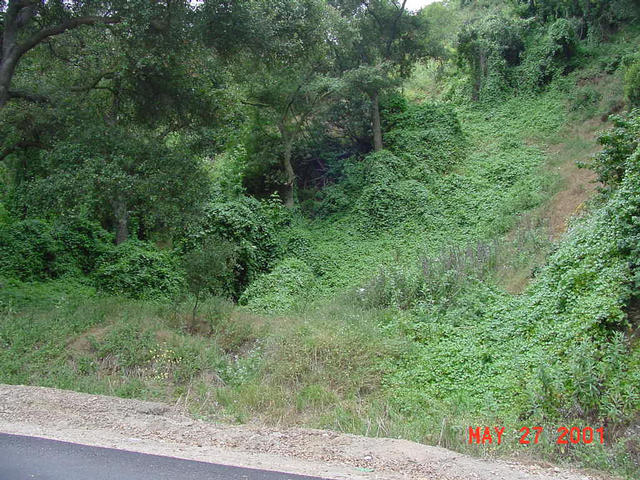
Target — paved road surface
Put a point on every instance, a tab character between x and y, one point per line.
23	458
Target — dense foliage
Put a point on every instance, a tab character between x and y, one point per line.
34	249
332	212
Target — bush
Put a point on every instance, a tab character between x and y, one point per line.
619	144
489	46
278	290
550	53
437	280
386	205
586	100
428	137
625	209
632	83
424	141
209	269
4	214
339	197
249	226
37	250
81	242
563	41
27	250
139	270
392	104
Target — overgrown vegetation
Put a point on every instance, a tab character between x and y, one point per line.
350	230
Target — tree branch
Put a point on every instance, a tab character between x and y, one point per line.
61	28
32	97
93	84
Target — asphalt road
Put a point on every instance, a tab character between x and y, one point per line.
23	458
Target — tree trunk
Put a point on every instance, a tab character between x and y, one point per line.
480	68
122	220
7	67
9	55
4	95
288	168
195	308
375	122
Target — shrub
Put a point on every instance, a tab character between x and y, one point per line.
489	46
619	144
4	214
209	269
139	270
424	141
563	41
36	250
625	209
586	100
393	286
384	167
81	242
550	53
427	136
392	104
386	205
437	280
249	226
339	197
277	290
27	250
632	83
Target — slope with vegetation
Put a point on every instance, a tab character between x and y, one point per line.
335	214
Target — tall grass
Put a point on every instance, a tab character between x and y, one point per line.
506	261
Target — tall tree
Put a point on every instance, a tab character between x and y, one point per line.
289	101
132	108
282	60
382	41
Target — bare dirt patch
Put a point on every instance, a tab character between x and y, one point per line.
574	187
82	344
579	184
166	430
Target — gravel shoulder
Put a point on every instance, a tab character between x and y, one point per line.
162	429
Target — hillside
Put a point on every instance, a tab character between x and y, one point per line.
391	228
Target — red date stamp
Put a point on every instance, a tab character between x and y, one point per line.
529	436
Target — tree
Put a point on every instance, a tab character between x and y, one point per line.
595	18
284	66
121	176
130	113
484	47
289	103
28	23
632	83
379	47
209	269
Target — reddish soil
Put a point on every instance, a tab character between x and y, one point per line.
579	183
